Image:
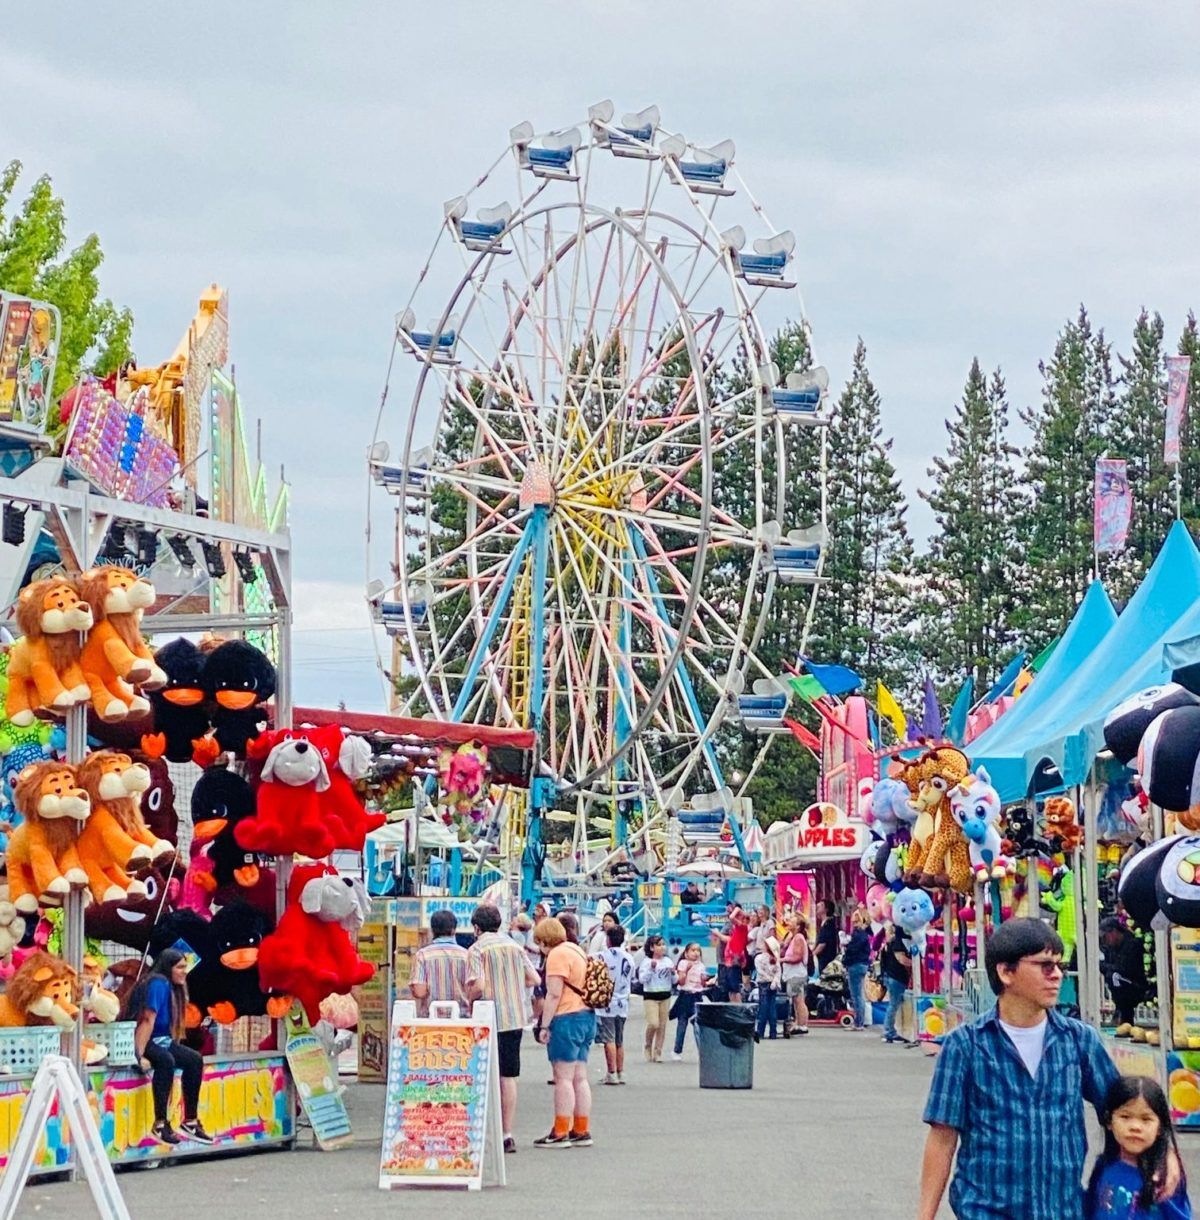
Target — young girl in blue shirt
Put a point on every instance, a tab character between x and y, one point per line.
1138	1140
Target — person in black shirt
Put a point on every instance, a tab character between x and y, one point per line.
826	948
895	964
691	895
1123	967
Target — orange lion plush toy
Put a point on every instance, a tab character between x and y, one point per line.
43	853
44	991
116	837
43	666
115	654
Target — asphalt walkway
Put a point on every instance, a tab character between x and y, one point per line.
832	1128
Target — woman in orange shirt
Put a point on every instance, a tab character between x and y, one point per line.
568	1030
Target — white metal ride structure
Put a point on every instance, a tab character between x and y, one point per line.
586	356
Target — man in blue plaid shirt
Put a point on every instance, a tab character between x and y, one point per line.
1008	1092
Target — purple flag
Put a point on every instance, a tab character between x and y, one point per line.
931	715
1114	505
1179	369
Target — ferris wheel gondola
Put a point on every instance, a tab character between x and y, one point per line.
564	556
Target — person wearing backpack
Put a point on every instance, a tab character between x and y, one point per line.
573	991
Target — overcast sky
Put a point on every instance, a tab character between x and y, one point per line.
959	180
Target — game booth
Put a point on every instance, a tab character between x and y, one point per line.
154	794
1095	766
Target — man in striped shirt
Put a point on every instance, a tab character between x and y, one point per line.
498	970
440	969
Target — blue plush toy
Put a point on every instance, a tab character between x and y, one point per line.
912	911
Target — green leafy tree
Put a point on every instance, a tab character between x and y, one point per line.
973	560
35	261
1069	432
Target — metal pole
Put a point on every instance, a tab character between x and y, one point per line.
1091	909
948	943
1033	897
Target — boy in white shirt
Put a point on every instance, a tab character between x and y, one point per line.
610	1021
769	973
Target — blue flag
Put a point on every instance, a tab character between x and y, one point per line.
1007	679
957	729
836	679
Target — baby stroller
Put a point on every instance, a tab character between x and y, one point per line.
828	997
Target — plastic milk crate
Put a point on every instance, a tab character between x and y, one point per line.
22	1050
118	1037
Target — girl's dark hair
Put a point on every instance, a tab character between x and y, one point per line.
1153	1162
164	963
652	942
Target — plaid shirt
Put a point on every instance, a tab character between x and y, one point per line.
1022	1142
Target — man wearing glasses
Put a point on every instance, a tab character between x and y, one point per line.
1008	1092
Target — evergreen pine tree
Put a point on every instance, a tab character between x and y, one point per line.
1069	432
864	610
973	555
1136	434
1189	466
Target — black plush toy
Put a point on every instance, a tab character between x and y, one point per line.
224	984
238	678
1126	724
1021	837
220	796
179	707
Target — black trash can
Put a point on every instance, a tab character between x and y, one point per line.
725	1033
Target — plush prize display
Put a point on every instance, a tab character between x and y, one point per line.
1168	759
291	816
346	758
43	854
180	713
311	954
1177	884
224	984
938	856
115	658
1021	838
221	870
1127	723
1062	824
976	807
43	666
238	679
43	991
912	912
131	920
116	839
158	800
1137	888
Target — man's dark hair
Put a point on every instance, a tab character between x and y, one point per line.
570	923
616	936
830	907
1014	940
485	918
1110	923
444	923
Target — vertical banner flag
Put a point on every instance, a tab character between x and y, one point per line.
1114	505
1179	369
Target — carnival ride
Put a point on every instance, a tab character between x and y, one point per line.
564	555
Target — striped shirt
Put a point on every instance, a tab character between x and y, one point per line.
442	966
499	965
1022	1142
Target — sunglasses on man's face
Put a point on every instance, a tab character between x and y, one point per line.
1049	966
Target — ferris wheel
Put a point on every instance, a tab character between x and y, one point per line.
581	362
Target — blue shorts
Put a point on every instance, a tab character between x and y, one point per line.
571	1037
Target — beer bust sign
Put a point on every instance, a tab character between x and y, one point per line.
822	832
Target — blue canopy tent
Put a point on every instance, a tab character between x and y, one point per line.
1065	726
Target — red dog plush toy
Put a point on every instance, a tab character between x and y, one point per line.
307	803
311	954
346	758
290	815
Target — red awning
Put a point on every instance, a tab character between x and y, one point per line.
426	730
